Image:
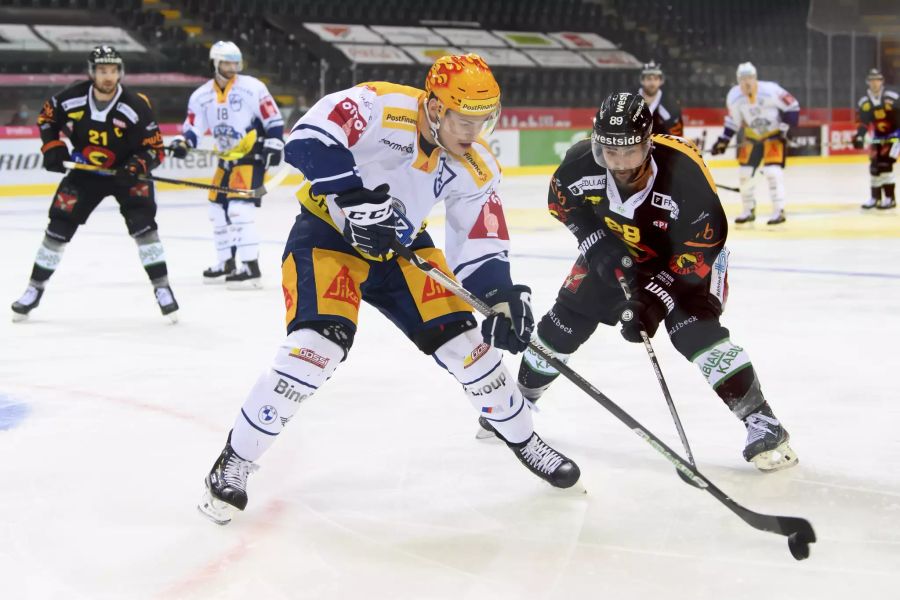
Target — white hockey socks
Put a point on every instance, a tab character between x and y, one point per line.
304	361
747	185
775	175
488	383
221	231
244	235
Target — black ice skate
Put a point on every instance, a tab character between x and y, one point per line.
167	304
247	277
485	430
226	486
777	218
767	444
28	302
886	203
218	273
870	203
542	460
747	216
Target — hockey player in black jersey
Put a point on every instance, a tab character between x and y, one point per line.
879	109
666	113
111	127
646	205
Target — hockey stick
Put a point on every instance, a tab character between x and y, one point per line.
662	383
240	150
254	193
799	531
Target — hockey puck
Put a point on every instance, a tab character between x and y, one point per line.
799	548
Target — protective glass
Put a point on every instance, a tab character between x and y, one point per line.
620	158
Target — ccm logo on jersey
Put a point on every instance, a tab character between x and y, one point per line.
666	203
588	183
346	115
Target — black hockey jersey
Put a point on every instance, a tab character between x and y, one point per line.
107	138
674	229
666	115
880	113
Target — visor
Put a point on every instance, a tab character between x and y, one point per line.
616	157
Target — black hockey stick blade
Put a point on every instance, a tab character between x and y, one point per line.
728	187
798	531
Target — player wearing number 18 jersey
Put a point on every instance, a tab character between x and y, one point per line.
647	206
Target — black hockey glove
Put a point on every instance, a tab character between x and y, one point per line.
370	221
55	153
179	148
511	328
129	173
859	140
720	145
643	312
272	149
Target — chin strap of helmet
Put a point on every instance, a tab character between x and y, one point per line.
434	125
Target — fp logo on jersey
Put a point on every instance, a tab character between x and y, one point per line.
267	414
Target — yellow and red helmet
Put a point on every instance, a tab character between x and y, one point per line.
464	84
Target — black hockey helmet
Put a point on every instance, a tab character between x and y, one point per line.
105	55
622	130
651	68
874	74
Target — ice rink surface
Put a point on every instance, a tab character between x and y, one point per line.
110	418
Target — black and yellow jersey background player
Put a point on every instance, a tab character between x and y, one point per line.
120	132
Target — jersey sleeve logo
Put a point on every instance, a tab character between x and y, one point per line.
490	223
346	115
689	262
267	108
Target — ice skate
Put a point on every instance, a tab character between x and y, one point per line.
870	203
748	216
218	273
887	203
167	304
545	462
226	486
485	431
247	277
777	218
28	302
767	446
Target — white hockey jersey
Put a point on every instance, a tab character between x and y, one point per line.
228	114
377	123
760	114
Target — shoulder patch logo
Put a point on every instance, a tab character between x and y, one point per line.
444	176
689	262
346	115
399	118
490	224
666	203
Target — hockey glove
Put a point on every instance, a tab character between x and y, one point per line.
129	173
272	149
179	148
642	313
55	153
512	325
859	141
370	221
720	145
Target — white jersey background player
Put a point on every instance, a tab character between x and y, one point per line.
763	112
231	107
377	158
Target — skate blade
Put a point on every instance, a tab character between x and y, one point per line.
214	280
172	317
216	511
780	458
250	284
19	317
484	434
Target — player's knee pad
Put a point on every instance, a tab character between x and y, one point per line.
486	381
61	230
340	334
241	212
565	330
429	340
887	178
217	215
50	253
304	362
150	249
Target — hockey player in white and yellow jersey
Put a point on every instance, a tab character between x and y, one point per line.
377	158
234	109
764	112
